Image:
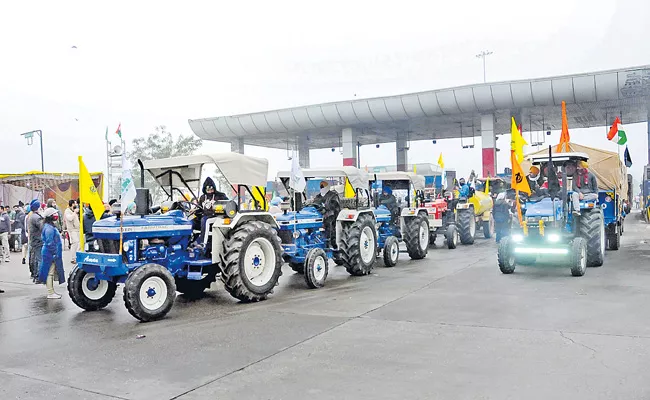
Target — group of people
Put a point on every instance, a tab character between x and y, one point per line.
41	230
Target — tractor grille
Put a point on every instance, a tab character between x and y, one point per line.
286	236
107	246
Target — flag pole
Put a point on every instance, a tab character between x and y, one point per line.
82	235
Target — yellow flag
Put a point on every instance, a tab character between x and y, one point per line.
349	190
487	185
441	162
88	192
415	169
517	141
519	181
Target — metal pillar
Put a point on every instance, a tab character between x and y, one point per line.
401	153
237	146
489	145
349	144
303	153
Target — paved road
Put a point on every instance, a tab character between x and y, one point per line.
448	327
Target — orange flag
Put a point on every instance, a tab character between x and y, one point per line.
519	181
564	137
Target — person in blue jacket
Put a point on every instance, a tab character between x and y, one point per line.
51	254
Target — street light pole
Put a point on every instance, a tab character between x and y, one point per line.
482	55
30	139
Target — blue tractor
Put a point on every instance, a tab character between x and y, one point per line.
154	255
411	222
333	226
550	227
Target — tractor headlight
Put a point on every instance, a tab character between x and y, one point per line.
517	238
296	234
553	237
126	246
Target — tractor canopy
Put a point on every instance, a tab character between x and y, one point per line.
236	169
418	181
358	179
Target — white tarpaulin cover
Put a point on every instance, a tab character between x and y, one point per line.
237	169
358	179
606	165
417	180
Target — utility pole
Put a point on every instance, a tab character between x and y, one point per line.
30	139
482	55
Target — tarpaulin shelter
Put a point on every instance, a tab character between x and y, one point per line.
61	186
606	165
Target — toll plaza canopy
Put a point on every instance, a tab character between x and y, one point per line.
592	98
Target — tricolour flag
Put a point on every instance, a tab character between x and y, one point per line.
118	132
128	187
298	182
88	192
617	132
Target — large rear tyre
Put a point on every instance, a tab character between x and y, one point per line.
251	261
488	228
391	252
578	257
316	268
614	238
193	289
149	292
416	237
89	293
506	256
466	224
358	247
451	236
592	229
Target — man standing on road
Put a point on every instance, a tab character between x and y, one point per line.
51	203
71	224
5	230
51	254
35	228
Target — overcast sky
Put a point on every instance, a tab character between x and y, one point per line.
149	63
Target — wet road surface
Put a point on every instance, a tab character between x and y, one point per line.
449	327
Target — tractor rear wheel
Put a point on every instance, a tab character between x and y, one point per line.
193	289
149	292
466	225
391	251
488	227
614	238
316	268
578	260
251	261
358	248
592	229
451	236
89	293
416	237
506	256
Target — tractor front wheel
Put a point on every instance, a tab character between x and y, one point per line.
88	292
391	251
578	260
506	256
451	236
316	268
149	292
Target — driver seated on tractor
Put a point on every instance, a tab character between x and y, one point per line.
464	189
207	202
585	184
328	199
388	200
534	178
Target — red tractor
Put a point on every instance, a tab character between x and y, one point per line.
442	220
